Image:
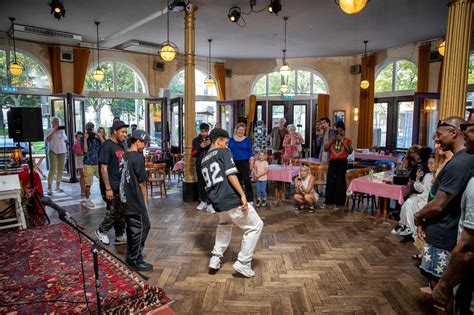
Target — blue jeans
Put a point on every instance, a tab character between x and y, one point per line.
262	189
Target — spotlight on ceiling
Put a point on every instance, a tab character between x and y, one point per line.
57	9
177	6
274	7
234	14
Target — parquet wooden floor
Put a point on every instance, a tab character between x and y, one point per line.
329	262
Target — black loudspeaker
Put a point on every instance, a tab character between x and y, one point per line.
25	124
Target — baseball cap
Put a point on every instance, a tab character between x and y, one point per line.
118	124
140	135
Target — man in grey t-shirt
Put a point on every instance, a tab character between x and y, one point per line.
460	271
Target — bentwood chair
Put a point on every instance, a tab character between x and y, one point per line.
157	176
319	171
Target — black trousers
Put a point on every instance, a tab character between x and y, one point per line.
336	182
201	183
243	167
138	226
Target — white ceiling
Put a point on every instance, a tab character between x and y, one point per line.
315	27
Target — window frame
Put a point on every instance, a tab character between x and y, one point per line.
22	89
393	92
116	93
296	96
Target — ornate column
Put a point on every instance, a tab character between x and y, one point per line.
455	64
190	179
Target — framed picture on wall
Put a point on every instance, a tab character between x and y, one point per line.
339	115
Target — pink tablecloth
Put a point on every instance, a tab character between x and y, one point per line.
310	161
375	157
179	166
279	174
379	188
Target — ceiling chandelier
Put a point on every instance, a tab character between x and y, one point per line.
364	84
352	6
98	73
285	68
14	67
209	81
168	50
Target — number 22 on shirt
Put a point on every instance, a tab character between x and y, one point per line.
214	169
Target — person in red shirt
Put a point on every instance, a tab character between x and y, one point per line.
339	148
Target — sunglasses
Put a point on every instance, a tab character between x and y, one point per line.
442	123
465	126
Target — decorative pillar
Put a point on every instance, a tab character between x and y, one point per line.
190	179
455	63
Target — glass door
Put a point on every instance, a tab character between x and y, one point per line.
380	124
225	115
176	124
426	118
156	123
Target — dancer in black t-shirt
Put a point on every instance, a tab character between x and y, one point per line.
229	200
133	195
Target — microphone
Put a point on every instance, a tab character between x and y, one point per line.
48	202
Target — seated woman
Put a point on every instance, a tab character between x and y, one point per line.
406	225
304	189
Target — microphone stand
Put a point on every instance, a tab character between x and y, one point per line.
95	248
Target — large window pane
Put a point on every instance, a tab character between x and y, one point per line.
259	112
304	83
3	68
383	82
261	86
278	111
32	76
380	125
290	81
274	83
319	86
406	76
127	79
470	78
107	84
177	84
405	124
154	116
205	113
299	119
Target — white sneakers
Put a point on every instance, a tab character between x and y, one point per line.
215	263
201	206
210	209
244	270
103	238
89	204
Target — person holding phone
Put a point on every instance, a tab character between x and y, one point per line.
201	145
304	189
56	144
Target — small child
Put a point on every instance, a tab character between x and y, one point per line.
260	170
79	156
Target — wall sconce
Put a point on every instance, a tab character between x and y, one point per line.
430	105
356	114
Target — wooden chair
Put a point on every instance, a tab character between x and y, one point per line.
157	176
296	161
319	171
353	174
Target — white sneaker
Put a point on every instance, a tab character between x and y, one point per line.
210	209
103	238
215	263
405	232
89	204
122	239
201	206
244	270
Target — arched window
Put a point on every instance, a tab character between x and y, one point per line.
396	75
34	75
299	82
470	78
177	84
118	78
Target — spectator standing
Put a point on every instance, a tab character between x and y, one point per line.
326	133
242	153
292	143
79	158
339	148
316	139
91	147
260	170
56	139
459	273
201	145
133	194
110	158
277	135
437	222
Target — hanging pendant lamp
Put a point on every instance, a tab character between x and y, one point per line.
98	73
442	47
14	67
209	81
168	50
352	6
364	84
285	68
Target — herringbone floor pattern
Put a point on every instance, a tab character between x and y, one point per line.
328	262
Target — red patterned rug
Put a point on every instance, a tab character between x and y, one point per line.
40	272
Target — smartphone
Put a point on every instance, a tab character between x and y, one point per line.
61	127
419	167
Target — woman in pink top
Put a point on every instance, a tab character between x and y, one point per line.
291	143
260	170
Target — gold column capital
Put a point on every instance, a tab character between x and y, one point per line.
453	2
